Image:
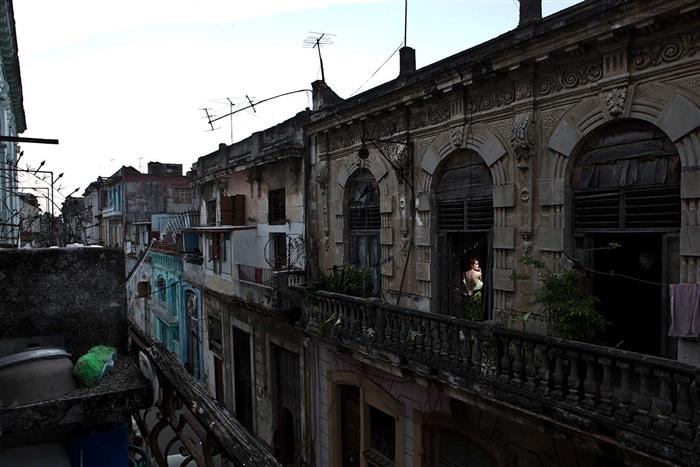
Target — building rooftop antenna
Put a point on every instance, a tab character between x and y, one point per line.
209	118
315	41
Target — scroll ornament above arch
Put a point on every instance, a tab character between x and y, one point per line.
479	138
675	111
377	167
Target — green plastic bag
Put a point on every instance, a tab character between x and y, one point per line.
92	366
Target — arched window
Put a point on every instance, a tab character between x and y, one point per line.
363	223
160	286
464	218
625	219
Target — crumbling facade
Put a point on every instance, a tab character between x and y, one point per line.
251	240
571	140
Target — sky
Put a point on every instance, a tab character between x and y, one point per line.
125	82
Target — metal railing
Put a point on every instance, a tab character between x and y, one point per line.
255	275
185	422
651	404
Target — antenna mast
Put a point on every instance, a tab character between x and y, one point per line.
405	22
315	41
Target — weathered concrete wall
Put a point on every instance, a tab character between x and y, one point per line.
75	293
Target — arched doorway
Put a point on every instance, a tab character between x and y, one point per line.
625	222
463	218
363	224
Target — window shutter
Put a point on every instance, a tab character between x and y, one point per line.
238	210
227	210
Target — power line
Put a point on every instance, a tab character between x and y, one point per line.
377	70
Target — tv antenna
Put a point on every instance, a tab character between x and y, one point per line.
230	111
315	41
209	120
251	105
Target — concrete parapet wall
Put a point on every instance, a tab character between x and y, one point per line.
73	296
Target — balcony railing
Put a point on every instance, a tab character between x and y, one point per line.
185	422
647	403
255	275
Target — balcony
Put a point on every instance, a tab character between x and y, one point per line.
185	423
645	403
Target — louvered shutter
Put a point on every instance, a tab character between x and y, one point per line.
227	211
239	210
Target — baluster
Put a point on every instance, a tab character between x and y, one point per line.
437	340
463	337
454	348
684	413
379	325
558	377
476	351
445	340
662	405
642	400
544	373
504	375
606	389
418	336
364	317
590	384
530	367
385	327
517	362
573	381
405	325
427	338
624	393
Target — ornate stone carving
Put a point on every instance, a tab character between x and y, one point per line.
400	157
652	55
551	118
615	101
457	135
343	139
323	176
503	127
385	127
491	97
569	78
431	114
522	138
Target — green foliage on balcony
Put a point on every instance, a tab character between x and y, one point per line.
568	302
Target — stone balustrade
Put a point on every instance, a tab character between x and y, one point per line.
645	403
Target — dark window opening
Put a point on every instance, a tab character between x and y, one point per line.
626	214
219	380
227	210
242	379
160	286
382	438
464	214
349	426
364	222
276	213
192	365
211	212
286	390
278	245
215	335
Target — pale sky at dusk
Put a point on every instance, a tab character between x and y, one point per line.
118	81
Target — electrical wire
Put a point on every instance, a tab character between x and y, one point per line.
377	70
